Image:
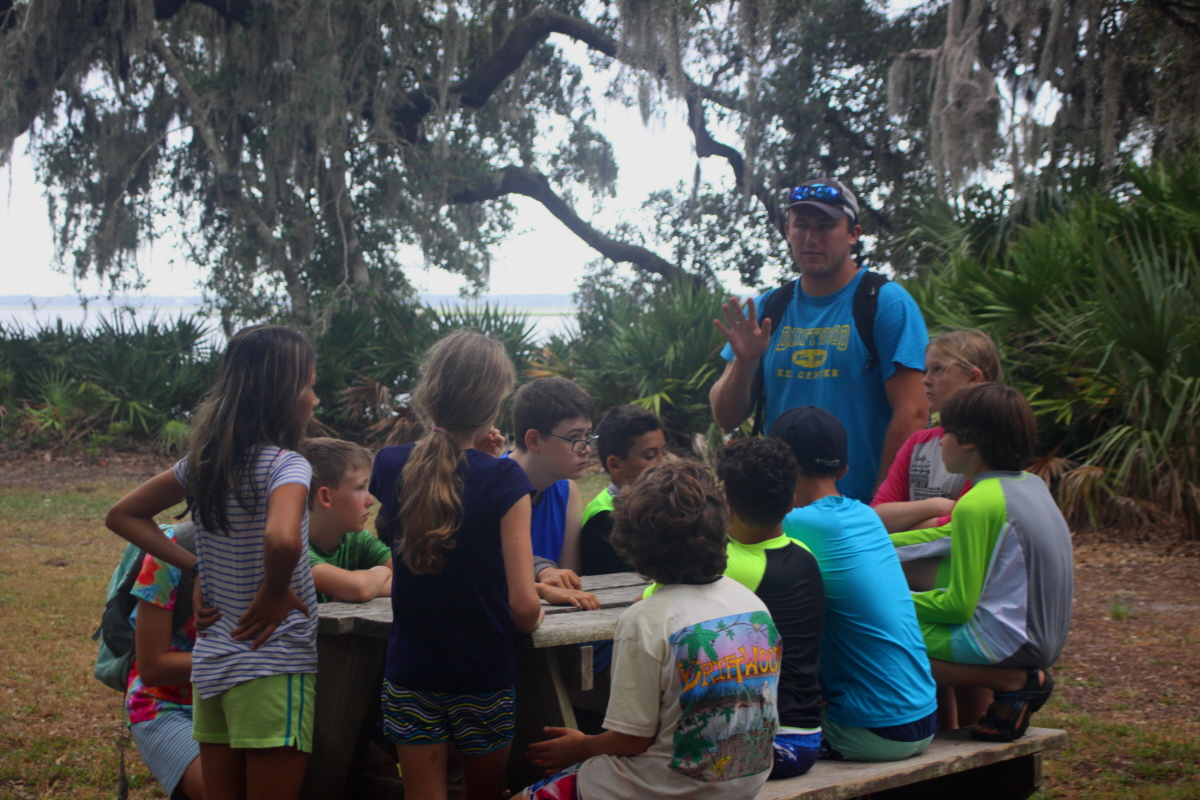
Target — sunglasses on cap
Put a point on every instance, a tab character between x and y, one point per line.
820	192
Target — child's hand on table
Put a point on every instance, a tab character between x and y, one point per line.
562	578
568	597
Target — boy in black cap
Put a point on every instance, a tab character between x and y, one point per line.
881	702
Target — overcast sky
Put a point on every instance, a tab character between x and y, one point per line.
541	256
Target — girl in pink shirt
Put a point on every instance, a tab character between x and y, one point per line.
918	491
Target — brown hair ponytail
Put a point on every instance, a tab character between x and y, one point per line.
464	379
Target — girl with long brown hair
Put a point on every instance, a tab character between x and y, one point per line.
463	583
254	671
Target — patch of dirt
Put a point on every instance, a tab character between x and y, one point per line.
56	469
1133	655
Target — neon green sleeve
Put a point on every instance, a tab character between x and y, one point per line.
601	502
975	528
920	536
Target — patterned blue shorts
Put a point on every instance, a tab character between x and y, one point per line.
474	724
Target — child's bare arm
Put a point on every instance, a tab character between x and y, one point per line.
352	585
281	551
132	518
158	664
569	558
912	514
385	588
570	746
517	547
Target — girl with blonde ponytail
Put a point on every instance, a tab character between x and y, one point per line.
463	584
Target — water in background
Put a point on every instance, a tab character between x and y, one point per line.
549	313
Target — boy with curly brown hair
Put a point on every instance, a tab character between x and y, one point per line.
695	668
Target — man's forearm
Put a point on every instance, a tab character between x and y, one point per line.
730	396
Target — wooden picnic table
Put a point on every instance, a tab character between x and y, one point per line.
555	662
352	646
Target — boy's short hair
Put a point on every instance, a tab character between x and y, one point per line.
995	418
540	405
759	478
816	438
670	525
331	459
620	427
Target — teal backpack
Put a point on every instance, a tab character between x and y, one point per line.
116	633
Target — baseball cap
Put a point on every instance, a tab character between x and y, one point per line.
827	194
816	437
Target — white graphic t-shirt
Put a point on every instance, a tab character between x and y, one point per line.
697	667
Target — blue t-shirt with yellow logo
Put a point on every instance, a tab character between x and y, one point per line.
816	358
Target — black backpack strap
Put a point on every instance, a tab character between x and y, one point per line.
773	310
866	304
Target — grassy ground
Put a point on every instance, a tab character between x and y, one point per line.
61	731
1128	685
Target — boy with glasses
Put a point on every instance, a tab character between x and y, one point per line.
552	423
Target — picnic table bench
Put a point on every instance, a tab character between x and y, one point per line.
554	666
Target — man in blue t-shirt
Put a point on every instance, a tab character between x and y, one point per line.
815	355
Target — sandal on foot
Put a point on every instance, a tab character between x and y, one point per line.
1023	704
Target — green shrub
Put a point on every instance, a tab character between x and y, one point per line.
1097	310
655	347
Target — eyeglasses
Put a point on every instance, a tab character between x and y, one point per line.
578	446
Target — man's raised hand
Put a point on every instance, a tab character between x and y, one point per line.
746	336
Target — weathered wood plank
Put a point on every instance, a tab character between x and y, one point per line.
615	592
1015	779
349	674
578	628
373	618
616	580
950	753
576	664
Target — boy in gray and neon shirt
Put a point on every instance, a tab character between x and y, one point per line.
1002	618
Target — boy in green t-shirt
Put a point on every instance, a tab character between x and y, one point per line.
629	441
349	564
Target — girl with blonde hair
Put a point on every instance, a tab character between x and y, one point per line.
918	491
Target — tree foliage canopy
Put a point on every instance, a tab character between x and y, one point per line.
311	147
